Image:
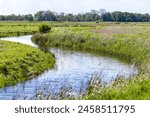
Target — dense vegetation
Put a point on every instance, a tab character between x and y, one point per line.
94	15
17	28
44	28
14	17
127	41
20	62
125	17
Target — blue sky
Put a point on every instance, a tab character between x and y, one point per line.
72	6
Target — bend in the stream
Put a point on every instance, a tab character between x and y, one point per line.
72	71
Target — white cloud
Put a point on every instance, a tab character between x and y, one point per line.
73	6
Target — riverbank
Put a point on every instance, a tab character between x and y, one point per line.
119	40
19	62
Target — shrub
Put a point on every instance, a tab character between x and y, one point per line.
44	28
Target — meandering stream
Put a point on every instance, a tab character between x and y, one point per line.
72	70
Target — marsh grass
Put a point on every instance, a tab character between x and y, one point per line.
131	44
136	88
66	92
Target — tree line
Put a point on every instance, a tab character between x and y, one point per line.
14	17
116	16
125	17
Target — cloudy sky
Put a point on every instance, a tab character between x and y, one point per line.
72	6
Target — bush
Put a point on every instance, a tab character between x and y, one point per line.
44	28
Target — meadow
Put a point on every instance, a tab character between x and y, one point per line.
8	29
127	41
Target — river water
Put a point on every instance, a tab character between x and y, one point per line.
72	70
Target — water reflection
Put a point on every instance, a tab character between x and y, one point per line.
72	70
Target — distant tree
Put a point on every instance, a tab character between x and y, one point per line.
29	17
70	17
146	17
49	16
94	15
107	17
102	12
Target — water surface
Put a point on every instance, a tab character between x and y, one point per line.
72	70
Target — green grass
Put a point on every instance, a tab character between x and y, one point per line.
127	41
136	88
17	28
26	28
19	62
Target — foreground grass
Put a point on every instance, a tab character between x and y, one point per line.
20	62
120	40
136	89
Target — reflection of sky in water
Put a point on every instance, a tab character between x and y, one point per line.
21	39
72	69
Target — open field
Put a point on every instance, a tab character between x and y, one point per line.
26	28
17	28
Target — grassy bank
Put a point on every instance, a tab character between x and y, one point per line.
129	41
20	62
